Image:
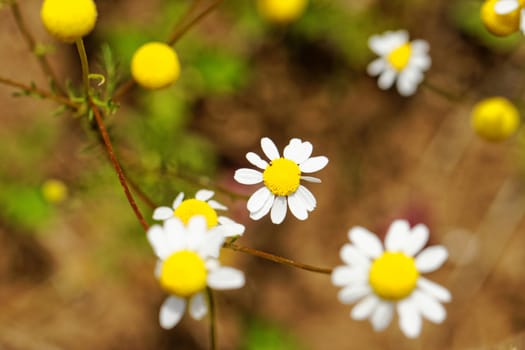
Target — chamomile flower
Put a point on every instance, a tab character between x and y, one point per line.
495	119
502	18
280	11
204	205
188	263
399	59
69	20
386	280
282	180
155	65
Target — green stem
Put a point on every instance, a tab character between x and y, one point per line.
85	65
442	92
213	336
276	258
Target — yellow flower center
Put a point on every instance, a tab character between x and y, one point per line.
393	276
400	56
282	177
282	11
69	20
500	25
155	65
191	207
495	119
183	274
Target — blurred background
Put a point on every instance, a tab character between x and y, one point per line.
76	271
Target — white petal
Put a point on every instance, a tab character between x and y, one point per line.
307	197
352	293
226	278
204	195
376	67
417	240
422	62
197	225
298	151
178	200
346	275
429	307
158	269
311	179
386	79
269	148
258	199
353	256
278	210
162	213
522	21
419	47
366	241
216	205
247	176
171	312
431	258
409	318
365	307
313	164
211	245
378	44
198	306
230	230
382	316
406	87
503	7
157	239
440	293
267	205
297	206
397	235
256	160
176	234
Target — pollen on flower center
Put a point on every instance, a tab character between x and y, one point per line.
183	274
393	276
400	56
191	207
282	177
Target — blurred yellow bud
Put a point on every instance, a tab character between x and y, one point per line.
495	119
500	25
155	65
69	20
54	191
282	11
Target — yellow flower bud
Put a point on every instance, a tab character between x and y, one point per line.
495	119
155	65
69	20
500	25
282	11
54	191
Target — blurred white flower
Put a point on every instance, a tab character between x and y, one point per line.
282	180
385	280
399	59
204	205
506	7
188	263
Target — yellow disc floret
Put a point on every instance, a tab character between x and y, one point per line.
400	57
69	20
282	177
54	191
191	207
155	65
500	25
282	11
393	276
495	119
183	274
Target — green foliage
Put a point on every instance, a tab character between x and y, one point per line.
262	335
466	16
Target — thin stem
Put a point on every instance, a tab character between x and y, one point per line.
42	93
178	33
85	65
276	258
30	40
213	335
442	92
116	165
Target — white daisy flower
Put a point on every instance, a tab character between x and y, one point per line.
203	205
385	280
187	265
282	180
505	7
399	59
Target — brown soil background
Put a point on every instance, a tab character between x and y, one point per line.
389	157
